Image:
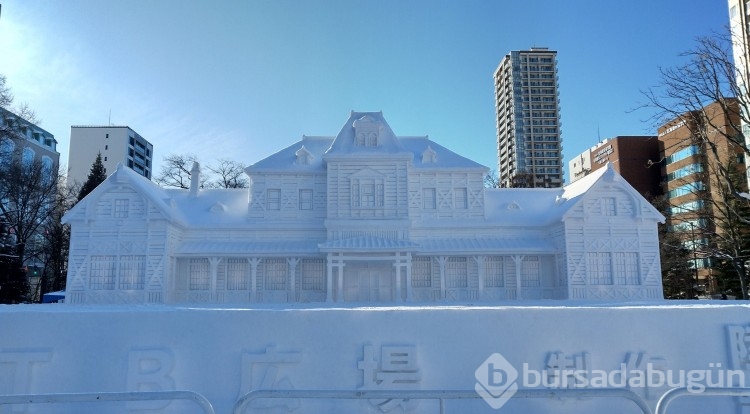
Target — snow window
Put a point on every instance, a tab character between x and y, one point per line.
610	206
121	207
200	275
237	274
530	276
421	272
102	273
428	198
367	139
461	200
313	274
132	273
493	272
600	268
626	268
367	193
305	199
273	199
276	270
457	272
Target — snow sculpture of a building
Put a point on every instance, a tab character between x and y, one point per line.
365	216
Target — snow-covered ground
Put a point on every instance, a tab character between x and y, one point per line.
222	353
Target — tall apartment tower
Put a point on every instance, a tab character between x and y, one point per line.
529	144
117	144
740	31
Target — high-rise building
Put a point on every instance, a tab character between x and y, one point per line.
636	158
529	144
738	24
117	144
693	187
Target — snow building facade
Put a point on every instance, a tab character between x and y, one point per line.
362	217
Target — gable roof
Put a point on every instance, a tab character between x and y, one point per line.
544	206
142	185
318	148
344	143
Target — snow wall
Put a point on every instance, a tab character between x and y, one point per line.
223	353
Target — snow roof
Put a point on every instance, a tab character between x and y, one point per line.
443	157
368	243
523	206
231	248
288	160
543	206
387	143
309	153
214	207
141	184
490	245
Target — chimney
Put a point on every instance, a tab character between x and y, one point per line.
195	179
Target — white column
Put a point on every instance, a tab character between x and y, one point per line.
397	264
408	277
254	262
293	278
518	259
329	278
340	263
213	263
442	260
480	274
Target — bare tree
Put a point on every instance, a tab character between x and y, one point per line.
491	180
228	174
225	173
28	191
175	171
56	242
685	93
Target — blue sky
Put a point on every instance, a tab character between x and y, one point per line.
243	79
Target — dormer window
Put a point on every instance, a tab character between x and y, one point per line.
303	156
366	132
429	156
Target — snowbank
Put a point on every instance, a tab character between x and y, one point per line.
223	353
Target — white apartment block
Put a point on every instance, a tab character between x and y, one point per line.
117	144
529	145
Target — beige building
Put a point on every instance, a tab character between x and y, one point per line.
117	144
636	158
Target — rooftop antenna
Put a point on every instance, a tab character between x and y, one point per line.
109	120
598	133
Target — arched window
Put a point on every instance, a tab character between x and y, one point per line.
47	163
28	156
7	147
